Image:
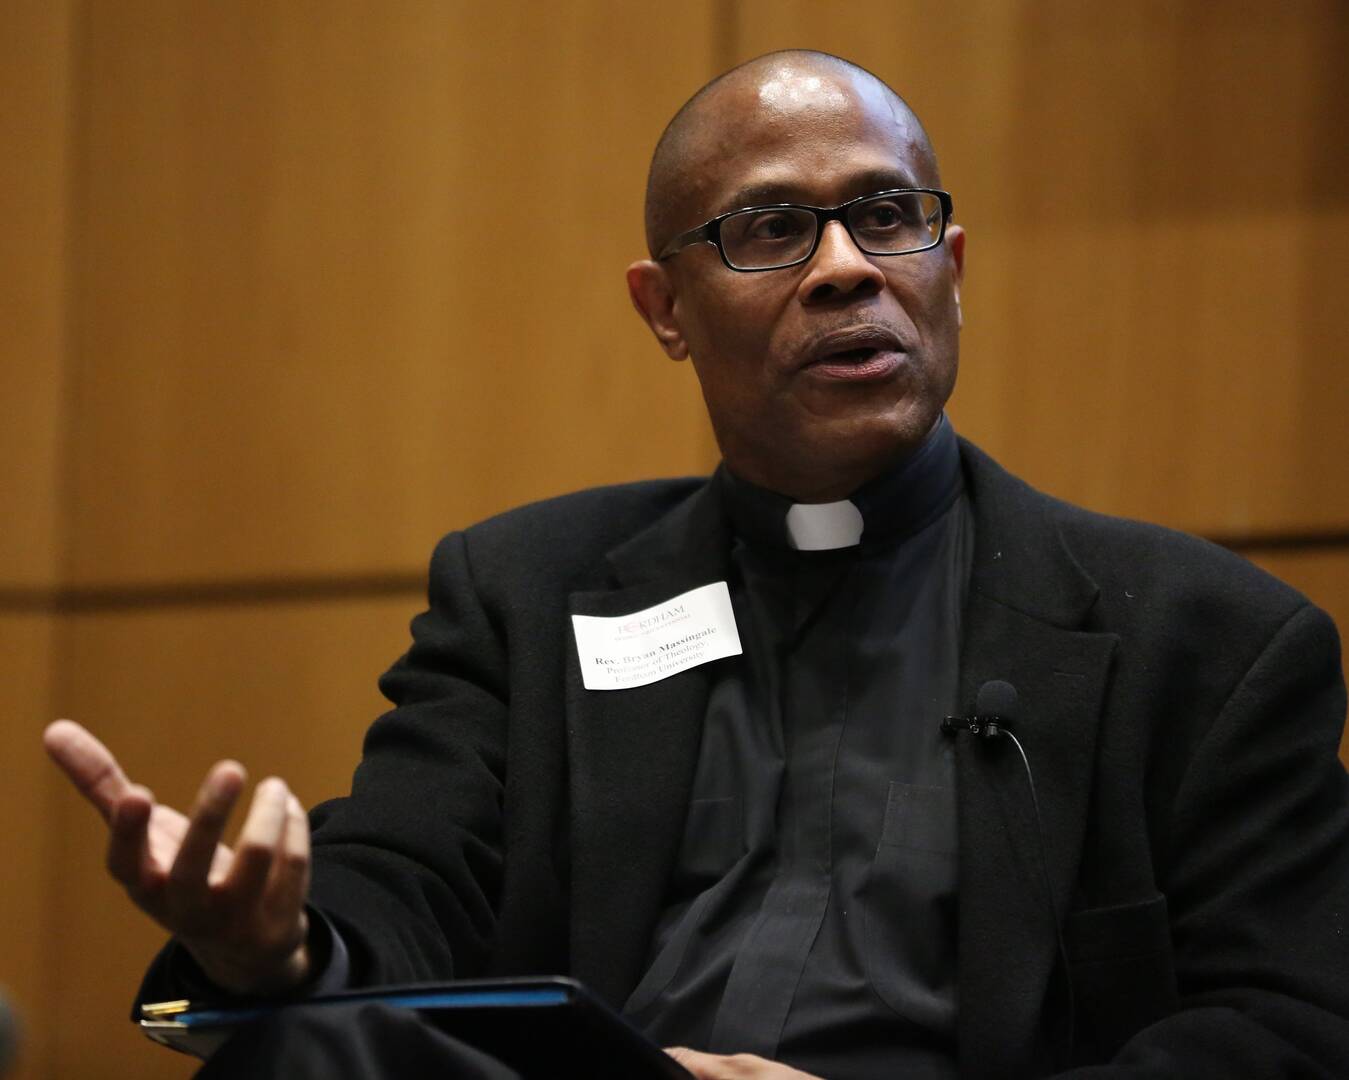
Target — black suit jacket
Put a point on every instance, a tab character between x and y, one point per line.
1180	712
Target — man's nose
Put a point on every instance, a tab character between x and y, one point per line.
839	268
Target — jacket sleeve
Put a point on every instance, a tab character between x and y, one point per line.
408	866
407	869
1258	882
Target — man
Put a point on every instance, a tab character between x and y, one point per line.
754	834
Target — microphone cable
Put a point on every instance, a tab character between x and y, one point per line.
1049	892
994	707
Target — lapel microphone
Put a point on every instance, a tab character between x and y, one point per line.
994	708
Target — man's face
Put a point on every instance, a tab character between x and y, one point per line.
817	376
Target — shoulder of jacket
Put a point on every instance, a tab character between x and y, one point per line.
611	509
565	530
1124	555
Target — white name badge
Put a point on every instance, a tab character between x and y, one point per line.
632	650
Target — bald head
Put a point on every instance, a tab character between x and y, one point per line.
771	90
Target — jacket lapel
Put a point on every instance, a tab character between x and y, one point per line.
1027	603
632	753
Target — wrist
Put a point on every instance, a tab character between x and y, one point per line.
252	980
234	971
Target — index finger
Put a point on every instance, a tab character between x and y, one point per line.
89	764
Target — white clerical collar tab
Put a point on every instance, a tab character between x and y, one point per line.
824	526
646	646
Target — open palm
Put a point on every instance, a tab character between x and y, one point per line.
240	913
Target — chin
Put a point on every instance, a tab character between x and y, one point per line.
884	437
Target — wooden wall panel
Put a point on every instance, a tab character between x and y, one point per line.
35	132
354	274
1157	203
286	689
26	798
1183	402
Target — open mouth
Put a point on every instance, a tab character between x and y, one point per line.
849	356
864	363
858	353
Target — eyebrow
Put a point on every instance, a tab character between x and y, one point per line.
779	191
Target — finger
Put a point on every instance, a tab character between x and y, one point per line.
256	849
702	1066
89	764
129	859
289	885
167	829
215	800
732	1066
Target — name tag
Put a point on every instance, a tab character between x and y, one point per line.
692	628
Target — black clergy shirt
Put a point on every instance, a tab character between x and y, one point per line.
811	914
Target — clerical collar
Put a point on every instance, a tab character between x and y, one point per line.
896	504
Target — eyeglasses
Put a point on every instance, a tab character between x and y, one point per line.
897	222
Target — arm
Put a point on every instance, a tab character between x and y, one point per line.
1258	883
408	867
402	864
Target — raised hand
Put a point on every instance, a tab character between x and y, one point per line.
239	913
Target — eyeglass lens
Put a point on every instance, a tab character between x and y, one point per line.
885	225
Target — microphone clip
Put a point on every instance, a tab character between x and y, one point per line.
984	727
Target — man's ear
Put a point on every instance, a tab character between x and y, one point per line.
955	244
653	297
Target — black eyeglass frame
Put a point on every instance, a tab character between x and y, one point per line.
709	232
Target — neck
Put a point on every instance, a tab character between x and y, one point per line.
820	482
896	503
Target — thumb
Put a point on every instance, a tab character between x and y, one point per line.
89	764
